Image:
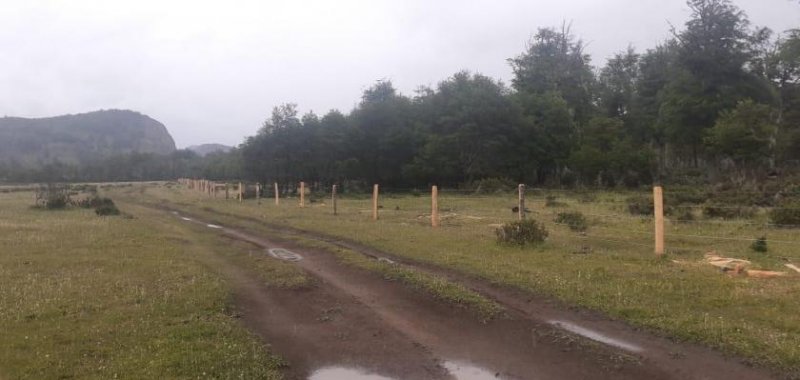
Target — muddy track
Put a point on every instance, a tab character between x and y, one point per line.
539	339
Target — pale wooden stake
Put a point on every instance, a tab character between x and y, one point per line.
241	193
302	194
435	206
277	195
258	192
521	201
658	210
333	200
375	202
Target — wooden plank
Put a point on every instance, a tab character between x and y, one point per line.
434	206
658	210
375	202
333	199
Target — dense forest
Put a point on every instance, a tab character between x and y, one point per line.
720	99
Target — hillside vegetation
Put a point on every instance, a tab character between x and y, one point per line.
80	139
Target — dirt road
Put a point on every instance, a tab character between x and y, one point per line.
355	324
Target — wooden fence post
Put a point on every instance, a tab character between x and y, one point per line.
333	199
277	195
658	210
302	194
521	201
241	193
258	192
375	202
435	206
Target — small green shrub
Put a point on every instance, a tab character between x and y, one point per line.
521	232
760	244
640	205
415	193
574	220
786	215
107	210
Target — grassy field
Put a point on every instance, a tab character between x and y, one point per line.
610	268
84	296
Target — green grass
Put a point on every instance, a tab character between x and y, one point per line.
84	296
610	268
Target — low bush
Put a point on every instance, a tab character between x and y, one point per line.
787	214
107	210
574	220
640	205
760	244
521	232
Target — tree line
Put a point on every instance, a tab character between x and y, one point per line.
719	99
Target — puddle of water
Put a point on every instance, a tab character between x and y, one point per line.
594	335
284	254
339	373
465	371
213	226
186	219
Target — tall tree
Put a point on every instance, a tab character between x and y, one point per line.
554	62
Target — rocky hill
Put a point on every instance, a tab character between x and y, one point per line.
205	149
81	138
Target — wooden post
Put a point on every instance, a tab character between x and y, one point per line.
658	210
241	193
258	192
375	202
521	201
333	200
277	195
227	191
302	194
435	206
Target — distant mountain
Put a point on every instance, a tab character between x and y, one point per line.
205	149
81	138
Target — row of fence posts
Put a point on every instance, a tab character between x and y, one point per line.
210	188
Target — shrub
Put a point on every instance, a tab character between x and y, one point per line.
52	197
788	214
640	205
521	232
760	244
106	210
574	220
415	193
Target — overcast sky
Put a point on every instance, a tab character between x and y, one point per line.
212	71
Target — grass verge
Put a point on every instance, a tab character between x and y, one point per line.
84	296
